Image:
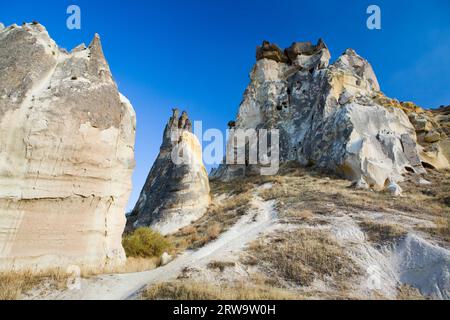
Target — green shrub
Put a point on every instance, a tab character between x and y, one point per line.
145	243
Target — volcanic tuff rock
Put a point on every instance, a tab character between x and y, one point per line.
329	116
177	188
66	153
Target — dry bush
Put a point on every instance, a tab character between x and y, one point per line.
406	292
177	290
213	231
187	231
134	264
442	229
145	243
382	232
14	284
221	265
302	255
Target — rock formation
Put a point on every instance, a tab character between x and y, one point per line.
177	189
66	154
331	116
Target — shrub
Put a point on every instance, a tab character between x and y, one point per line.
221	265
145	243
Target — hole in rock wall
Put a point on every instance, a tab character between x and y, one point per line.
428	166
409	169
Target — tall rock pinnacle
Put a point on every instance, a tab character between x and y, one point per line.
176	192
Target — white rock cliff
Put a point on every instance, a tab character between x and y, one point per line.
66	154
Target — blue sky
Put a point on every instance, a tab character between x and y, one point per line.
197	54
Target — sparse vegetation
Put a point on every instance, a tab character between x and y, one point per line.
442	229
406	292
221	265
382	232
221	215
299	190
14	284
187	290
145	243
302	255
134	264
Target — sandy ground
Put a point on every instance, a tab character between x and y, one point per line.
260	218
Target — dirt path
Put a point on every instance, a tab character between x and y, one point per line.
260	218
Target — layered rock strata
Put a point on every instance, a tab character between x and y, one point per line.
66	154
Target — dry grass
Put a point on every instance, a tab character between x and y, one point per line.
303	193
442	229
134	265
223	213
187	290
406	292
14	284
301	256
382	233
221	265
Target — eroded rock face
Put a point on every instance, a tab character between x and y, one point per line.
66	154
329	116
176	192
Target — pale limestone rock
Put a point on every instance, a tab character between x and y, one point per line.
66	154
394	189
176	192
432	134
330	116
165	258
432	137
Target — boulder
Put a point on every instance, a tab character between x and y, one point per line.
166	258
432	136
308	56
176	192
66	154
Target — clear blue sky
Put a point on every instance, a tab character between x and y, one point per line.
197	54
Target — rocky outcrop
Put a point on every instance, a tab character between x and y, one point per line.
329	116
66	154
442	117
176	192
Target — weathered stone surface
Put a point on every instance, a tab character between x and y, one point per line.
66	154
330	116
270	51
176	192
431	133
